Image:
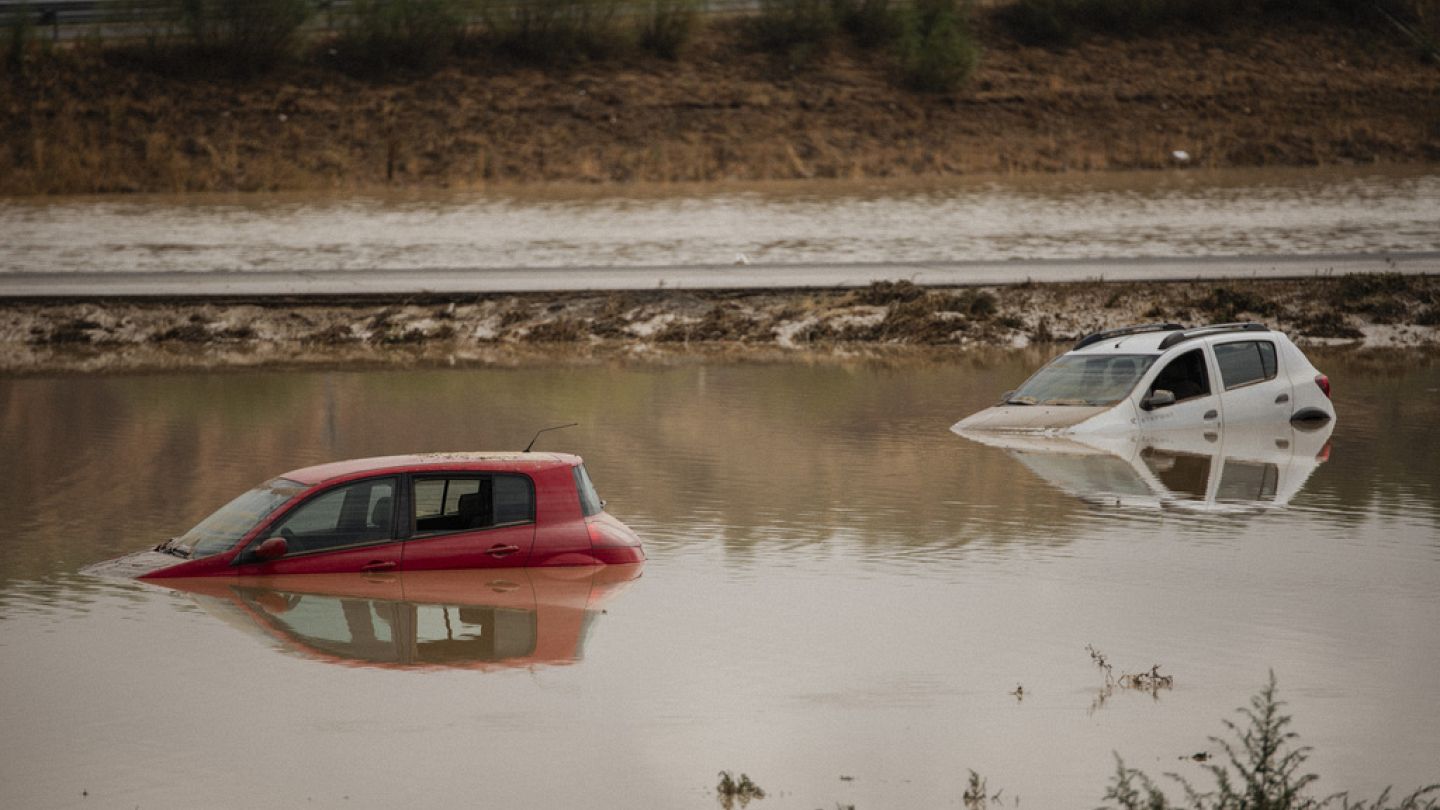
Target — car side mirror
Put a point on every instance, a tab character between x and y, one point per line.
272	549
1158	399
1005	397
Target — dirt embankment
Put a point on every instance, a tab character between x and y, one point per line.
85	122
1359	311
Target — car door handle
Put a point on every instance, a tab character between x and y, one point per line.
501	551
378	565
1283	398
1212	414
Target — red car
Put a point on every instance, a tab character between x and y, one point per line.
401	513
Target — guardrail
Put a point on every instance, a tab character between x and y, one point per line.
60	15
71	13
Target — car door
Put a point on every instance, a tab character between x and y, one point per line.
1253	389
470	520
345	529
1187	375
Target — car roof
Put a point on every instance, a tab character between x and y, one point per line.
1154	341
430	462
1128	344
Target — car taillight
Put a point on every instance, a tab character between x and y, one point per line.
1324	383
1324	454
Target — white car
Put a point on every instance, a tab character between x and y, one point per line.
1238	470
1161	376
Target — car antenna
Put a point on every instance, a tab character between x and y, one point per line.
543	430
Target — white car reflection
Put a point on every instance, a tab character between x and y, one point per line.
1235	470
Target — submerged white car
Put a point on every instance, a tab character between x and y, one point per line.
1160	376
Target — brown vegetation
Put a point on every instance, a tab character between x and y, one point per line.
86	120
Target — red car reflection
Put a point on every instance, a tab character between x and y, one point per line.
482	620
401	513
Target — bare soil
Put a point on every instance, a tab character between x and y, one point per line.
1362	312
89	121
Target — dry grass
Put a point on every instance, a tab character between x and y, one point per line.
88	120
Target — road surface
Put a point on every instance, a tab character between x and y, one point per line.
456	281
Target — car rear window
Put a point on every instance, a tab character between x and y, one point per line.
1245	362
589	499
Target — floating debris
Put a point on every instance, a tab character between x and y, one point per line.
739	792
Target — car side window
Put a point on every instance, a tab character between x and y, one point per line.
1185	377
464	503
350	515
1245	362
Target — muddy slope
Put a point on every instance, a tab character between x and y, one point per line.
1360	311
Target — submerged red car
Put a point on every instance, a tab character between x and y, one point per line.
401	513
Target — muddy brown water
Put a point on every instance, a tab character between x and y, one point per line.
840	598
1120	214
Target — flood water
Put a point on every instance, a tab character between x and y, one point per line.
840	596
1120	214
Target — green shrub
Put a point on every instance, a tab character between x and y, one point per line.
792	26
1060	22
19	33
385	34
1039	22
552	31
249	34
667	25
936	50
870	23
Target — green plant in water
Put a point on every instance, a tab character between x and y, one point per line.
734	791
1262	770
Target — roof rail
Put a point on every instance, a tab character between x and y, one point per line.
1097	337
1212	329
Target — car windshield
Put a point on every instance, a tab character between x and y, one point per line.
1083	379
234	520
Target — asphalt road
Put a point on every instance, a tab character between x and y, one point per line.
452	281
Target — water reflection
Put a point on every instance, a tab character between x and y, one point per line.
1233	470
479	620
